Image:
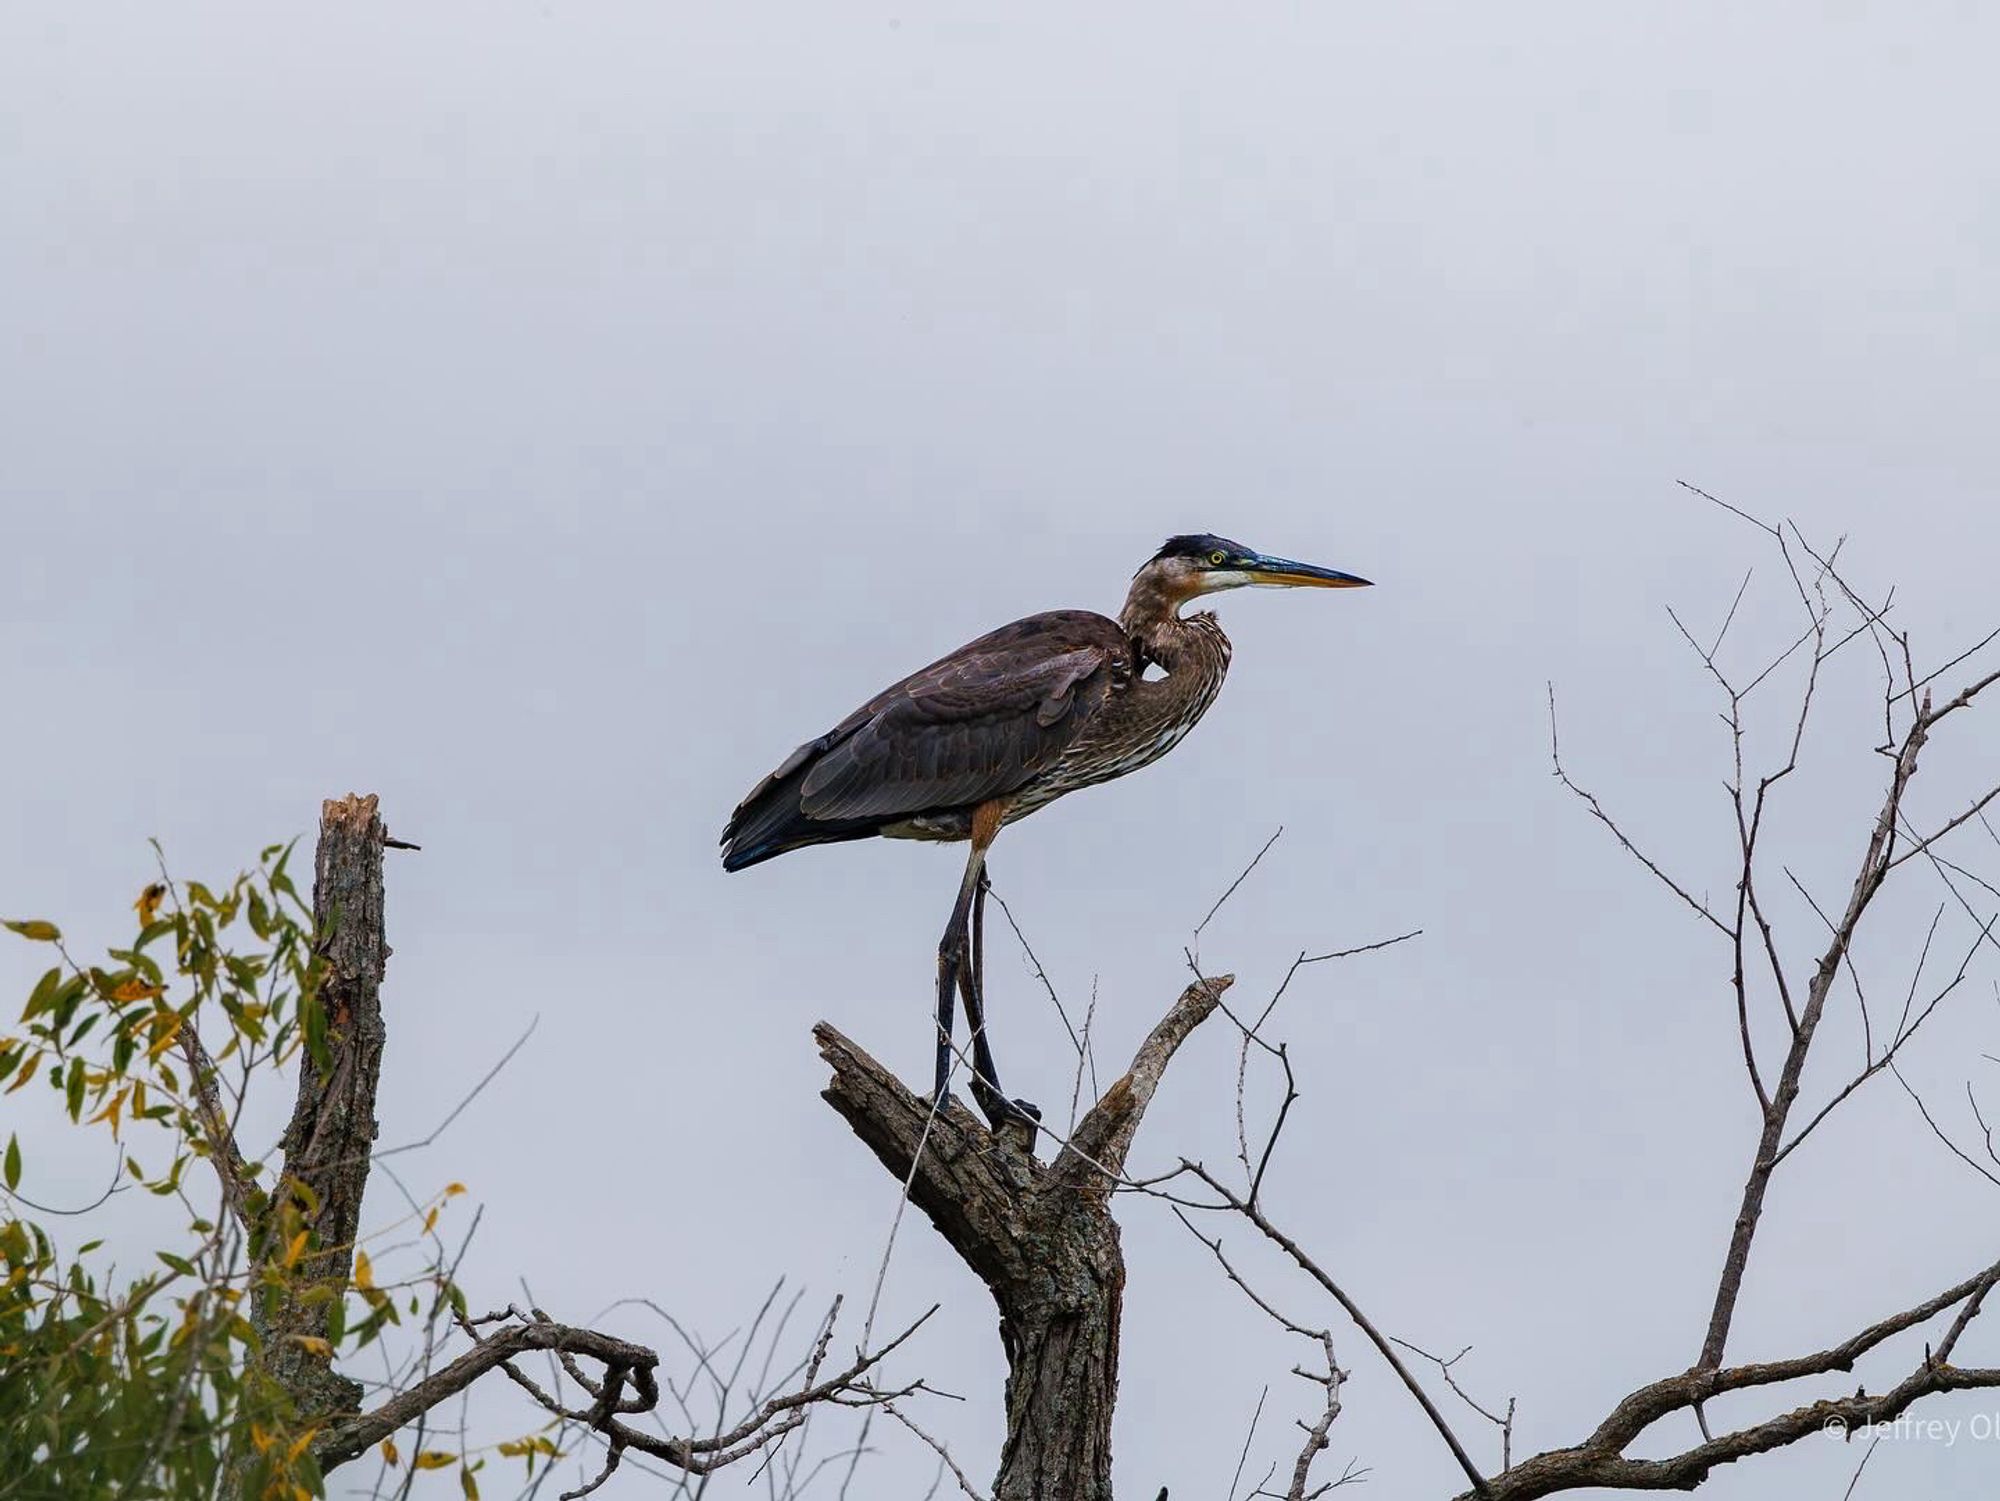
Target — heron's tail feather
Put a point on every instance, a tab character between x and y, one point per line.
772	820
739	856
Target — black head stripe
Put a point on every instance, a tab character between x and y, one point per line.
1198	545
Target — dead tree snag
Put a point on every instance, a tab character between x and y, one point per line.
1039	1235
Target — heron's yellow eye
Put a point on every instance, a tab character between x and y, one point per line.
1218	558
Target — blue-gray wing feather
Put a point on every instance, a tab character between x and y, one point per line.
979	724
983	722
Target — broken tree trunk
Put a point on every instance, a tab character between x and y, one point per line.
331	1138
1039	1235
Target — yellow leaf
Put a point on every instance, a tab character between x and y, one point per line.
467	1484
312	1344
294	1247
134	989
260	1439
453	1190
433	1459
169	1034
389	1455
364	1270
35	930
301	1443
430	1221
110	1112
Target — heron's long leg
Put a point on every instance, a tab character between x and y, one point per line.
972	982
961	953
997	1108
952	958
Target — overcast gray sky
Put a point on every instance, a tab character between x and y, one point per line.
547	416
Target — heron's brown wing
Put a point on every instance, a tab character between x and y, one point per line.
978	724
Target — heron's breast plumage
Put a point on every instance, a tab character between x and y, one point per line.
1143	719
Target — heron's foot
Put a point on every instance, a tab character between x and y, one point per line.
1003	1114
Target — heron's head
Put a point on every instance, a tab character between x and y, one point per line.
1203	563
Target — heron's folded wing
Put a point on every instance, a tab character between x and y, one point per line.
978	725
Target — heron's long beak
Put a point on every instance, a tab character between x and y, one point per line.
1284	573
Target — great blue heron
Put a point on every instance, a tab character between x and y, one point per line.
1002	726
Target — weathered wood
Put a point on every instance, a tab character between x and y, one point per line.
1039	1235
331	1137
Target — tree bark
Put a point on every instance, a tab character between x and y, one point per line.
1039	1235
331	1138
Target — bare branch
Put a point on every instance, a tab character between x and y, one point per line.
1906	1029
1503	1421
350	1440
1361	1320
1077	1041
1242	876
1932	676
936	1447
1249	1437
1597	811
231	1170
1941	1134
470	1095
1316	1435
1101	1141
1872	872
1599	1460
1922	846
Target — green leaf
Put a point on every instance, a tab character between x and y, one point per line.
177	1263
152	932
44	994
73	1090
34	929
316	1048
13	1168
68	997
